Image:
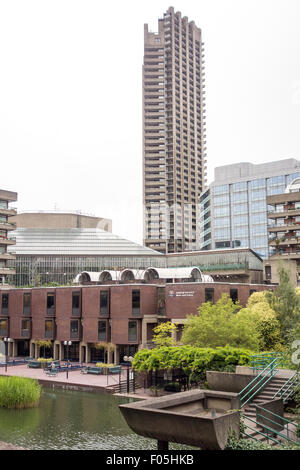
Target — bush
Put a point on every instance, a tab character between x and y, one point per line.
104	365
19	392
193	361
172	387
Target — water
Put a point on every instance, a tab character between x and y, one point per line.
72	420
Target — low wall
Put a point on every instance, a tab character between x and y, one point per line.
227	381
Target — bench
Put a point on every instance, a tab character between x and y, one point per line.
114	370
34	365
51	373
94	370
91	370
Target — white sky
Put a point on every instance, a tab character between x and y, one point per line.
71	96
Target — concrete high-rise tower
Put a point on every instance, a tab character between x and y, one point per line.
174	159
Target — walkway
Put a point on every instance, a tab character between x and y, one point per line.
76	379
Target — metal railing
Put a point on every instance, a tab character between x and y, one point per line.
256	431
260	361
258	382
288	388
277	421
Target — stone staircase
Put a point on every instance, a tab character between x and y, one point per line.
266	394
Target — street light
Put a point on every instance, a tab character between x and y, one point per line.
68	344
6	342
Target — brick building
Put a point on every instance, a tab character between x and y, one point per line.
104	322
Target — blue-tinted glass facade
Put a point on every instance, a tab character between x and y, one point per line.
239	212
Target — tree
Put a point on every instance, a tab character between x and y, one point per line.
267	324
221	324
285	301
163	334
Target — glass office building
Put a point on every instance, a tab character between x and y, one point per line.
233	210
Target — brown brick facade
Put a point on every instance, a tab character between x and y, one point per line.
141	314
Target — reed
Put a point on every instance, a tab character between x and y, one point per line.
19	392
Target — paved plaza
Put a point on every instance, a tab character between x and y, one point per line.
75	378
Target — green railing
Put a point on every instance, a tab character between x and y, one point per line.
288	388
257	431
258	382
277	421
260	361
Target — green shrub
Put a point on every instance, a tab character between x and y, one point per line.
172	387
104	365
19	392
193	361
44	359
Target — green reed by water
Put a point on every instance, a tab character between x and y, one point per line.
19	392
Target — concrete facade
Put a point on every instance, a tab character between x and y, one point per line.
284	234
6	226
60	220
174	145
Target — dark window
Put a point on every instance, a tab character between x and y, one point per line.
234	295
48	329
102	330
209	295
5	300
74	329
26	303
103	302
136	302
223	244
25	328
76	303
3	328
132	331
268	272
252	291
50	304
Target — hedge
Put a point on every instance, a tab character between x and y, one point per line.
191	360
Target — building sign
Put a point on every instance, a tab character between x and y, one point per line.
181	294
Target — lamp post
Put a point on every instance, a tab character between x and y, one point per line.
6	342
68	344
128	359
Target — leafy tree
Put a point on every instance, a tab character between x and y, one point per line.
220	324
267	324
285	301
163	334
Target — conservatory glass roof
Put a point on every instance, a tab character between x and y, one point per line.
75	241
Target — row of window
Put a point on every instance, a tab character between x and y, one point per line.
103	329
76	303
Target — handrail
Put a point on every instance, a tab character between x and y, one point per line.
270	368
257	431
259	361
278	433
281	393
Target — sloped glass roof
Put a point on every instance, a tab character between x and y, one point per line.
75	241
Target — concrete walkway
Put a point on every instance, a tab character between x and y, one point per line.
76	379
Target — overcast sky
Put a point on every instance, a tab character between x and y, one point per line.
71	96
